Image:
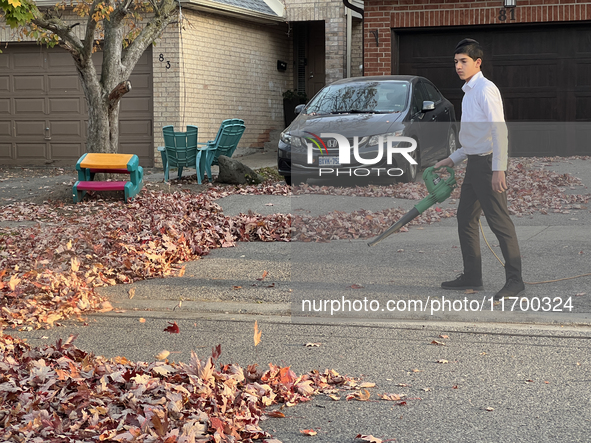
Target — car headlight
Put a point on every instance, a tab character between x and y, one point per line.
290	140
375	139
285	137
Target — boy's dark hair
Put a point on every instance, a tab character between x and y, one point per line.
470	47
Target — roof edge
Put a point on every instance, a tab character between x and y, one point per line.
219	8
235	11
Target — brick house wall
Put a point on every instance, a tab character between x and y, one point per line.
357	49
333	14
383	15
221	67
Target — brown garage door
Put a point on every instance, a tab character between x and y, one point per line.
543	72
43	114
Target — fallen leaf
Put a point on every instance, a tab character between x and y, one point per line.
312	345
470	291
444	336
142	320
162	355
75	264
334	397
105	307
369	438
216	351
173	328
392	397
257	334
359	395
367	384
442	361
131	292
265	273
438	343
14	281
356	286
236	287
309	432
275	414
489	409
182	271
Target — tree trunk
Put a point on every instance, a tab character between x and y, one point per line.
103	92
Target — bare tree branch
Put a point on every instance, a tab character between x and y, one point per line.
119	91
90	29
166	14
60	28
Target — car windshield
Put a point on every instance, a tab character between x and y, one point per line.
363	97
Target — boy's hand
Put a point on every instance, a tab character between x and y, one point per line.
445	162
498	181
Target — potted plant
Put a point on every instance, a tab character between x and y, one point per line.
290	100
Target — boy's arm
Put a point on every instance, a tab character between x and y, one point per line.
492	105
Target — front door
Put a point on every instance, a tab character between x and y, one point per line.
310	55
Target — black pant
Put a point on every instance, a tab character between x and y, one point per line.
477	196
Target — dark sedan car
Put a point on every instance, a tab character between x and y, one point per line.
383	125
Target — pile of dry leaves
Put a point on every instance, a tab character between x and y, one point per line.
49	271
60	393
531	190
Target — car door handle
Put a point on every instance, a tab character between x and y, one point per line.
446	110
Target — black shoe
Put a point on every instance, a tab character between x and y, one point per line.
462	282
511	289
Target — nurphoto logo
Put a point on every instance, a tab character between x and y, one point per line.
387	147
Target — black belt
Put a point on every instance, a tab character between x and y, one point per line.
479	155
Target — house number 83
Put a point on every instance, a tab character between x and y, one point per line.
161	59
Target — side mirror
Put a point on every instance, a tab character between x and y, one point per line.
428	106
299	109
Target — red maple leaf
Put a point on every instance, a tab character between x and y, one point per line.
173	328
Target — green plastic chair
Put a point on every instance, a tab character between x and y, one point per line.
225	144
230	121
228	140
180	150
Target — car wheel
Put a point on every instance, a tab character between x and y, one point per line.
297	181
410	172
452	142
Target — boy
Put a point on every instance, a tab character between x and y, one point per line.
484	141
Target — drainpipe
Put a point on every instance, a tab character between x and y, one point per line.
349	37
358	10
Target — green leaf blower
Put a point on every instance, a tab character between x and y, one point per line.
439	191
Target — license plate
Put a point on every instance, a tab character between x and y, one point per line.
328	161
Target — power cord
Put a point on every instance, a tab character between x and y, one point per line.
527	283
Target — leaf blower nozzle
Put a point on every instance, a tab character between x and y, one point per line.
439	191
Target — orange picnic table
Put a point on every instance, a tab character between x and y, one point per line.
91	164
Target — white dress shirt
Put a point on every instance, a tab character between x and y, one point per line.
483	128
